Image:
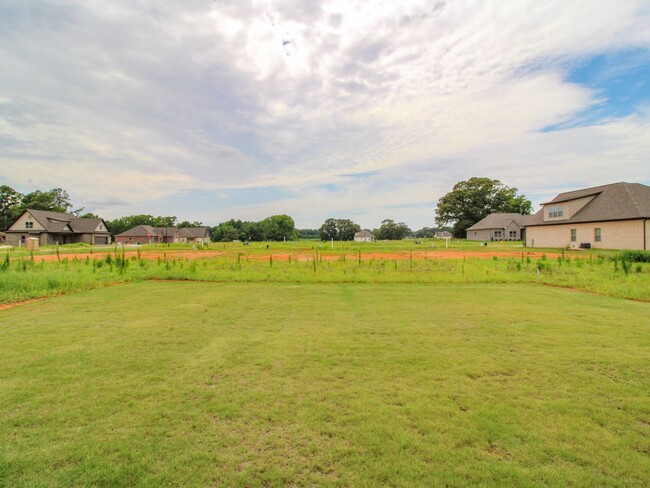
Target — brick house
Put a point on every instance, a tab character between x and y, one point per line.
147	234
498	227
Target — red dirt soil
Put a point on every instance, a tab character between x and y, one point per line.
303	256
15	304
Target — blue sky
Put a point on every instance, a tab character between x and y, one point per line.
211	110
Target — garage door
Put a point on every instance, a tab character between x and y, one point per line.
101	240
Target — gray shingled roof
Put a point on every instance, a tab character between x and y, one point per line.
364	233
165	231
87	226
617	201
51	221
498	221
194	232
138	231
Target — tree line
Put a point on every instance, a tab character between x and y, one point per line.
273	228
467	203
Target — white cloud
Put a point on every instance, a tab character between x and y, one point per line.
144	100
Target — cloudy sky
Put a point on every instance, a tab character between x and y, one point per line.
212	109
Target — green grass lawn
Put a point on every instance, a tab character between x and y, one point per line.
257	384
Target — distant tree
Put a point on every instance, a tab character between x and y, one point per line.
278	228
119	225
187	223
10	206
389	230
425	232
428	232
224	232
274	228
308	234
328	230
347	229
474	199
56	200
89	215
250	231
338	229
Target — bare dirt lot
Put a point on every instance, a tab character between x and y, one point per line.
302	256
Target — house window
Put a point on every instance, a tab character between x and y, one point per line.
513	235
101	227
597	236
574	236
497	234
556	211
29	225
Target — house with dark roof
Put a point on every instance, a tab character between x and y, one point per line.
498	227
147	234
197	235
611	216
52	228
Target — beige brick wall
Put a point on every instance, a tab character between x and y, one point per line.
626	234
479	235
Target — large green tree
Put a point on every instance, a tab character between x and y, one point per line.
10	206
56	200
391	230
473	200
278	228
225	232
338	229
328	230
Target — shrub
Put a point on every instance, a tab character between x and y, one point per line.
635	256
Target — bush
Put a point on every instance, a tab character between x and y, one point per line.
635	256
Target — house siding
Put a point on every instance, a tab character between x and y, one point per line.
19	225
479	235
570	208
625	234
512	227
135	239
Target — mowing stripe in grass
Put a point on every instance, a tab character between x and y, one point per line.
253	384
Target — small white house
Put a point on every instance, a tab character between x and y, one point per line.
364	236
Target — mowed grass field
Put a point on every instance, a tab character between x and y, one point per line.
275	384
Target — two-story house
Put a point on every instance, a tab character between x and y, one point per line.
52	228
611	216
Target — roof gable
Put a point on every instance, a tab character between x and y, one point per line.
617	201
51	221
499	221
88	225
